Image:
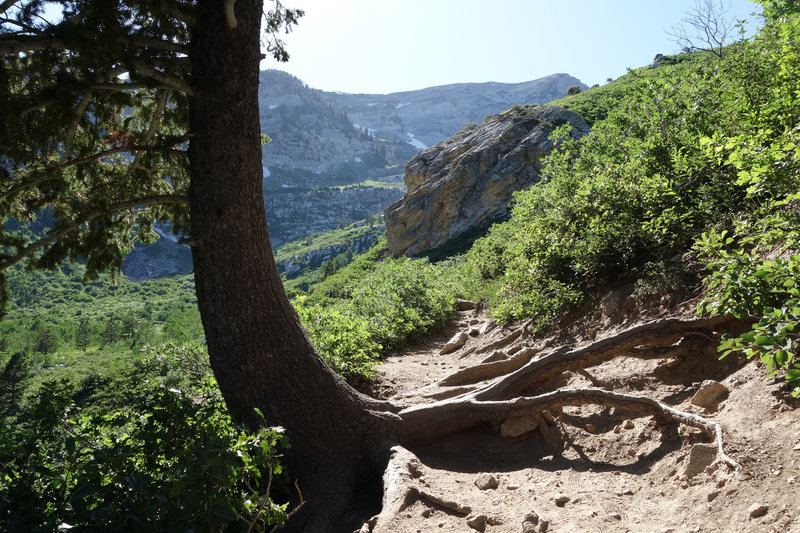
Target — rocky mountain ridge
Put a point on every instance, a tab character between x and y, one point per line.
323	141
323	138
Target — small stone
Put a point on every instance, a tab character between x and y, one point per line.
617	429
427	513
796	448
441	524
628	424
532	517
757	509
712	495
465	305
709	392
700	457
528	527
544	525
477	522
457	341
486	482
590	428
512	486
615	516
561	499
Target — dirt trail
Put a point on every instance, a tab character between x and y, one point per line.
618	471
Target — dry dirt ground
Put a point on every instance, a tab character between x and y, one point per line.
617	471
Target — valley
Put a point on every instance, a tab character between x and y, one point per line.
574	314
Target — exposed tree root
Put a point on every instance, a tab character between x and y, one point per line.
427	423
504	397
400	491
504	341
499	390
652	340
487	370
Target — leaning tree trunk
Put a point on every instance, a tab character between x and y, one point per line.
258	350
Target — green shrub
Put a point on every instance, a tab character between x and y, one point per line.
386	305
170	460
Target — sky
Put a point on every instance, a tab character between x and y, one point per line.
384	46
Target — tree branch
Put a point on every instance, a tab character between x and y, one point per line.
161	77
154	126
182	12
230	14
73	129
46	176
6	5
159	44
69	227
37	43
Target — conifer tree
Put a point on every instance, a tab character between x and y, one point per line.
83	334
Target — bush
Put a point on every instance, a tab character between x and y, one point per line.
170	460
388	304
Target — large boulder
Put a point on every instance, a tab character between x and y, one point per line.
460	186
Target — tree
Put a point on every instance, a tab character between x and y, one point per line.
91	155
14	373
128	325
704	28
83	335
46	341
111	332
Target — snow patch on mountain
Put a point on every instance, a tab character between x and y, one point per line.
414	142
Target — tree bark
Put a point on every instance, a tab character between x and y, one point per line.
259	352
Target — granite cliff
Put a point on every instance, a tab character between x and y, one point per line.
459	187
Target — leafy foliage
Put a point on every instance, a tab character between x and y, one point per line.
754	269
698	143
378	307
169	459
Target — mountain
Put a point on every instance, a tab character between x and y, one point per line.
322	142
325	138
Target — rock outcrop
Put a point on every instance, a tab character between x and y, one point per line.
460	186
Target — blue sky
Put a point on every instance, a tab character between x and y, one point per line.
382	46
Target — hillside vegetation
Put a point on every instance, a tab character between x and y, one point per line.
691	175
